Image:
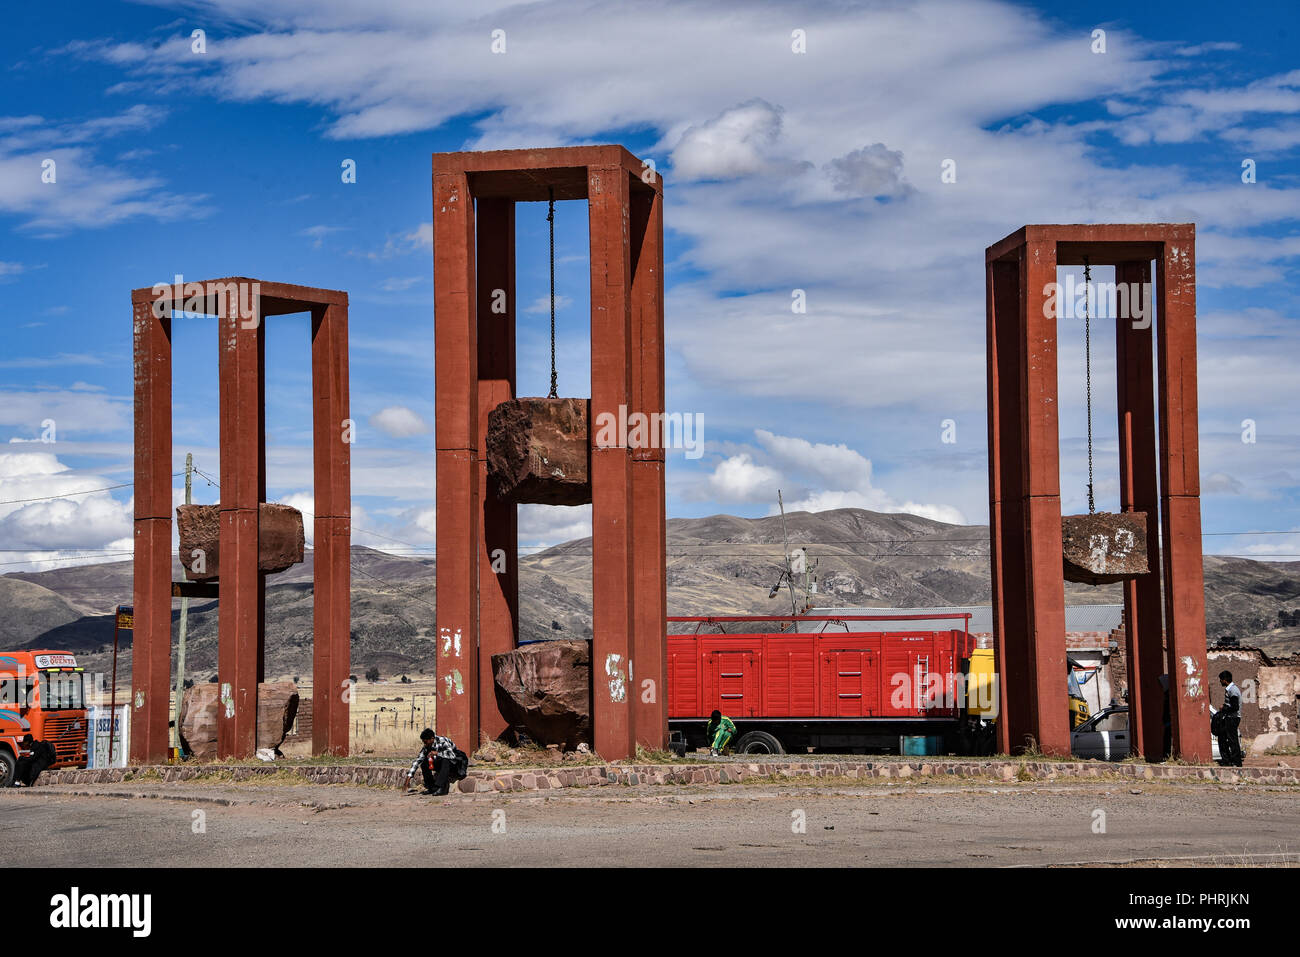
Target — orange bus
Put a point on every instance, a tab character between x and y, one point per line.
42	694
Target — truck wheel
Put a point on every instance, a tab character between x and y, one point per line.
8	767
759	742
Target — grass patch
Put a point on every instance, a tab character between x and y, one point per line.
657	756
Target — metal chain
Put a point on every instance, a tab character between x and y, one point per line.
1087	353
550	219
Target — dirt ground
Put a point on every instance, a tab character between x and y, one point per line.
192	824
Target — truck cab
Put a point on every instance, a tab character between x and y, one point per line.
42	693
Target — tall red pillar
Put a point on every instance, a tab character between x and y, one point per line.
1143	616
498	567
1041	504
239	625
613	585
649	544
1180	505
332	526
151	638
458	511
1006	338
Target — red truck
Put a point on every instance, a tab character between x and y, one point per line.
819	685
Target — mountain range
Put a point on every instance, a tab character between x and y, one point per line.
721	564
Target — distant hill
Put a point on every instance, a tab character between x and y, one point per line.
721	564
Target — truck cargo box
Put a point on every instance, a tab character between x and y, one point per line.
879	676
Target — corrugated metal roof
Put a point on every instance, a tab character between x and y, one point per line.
1098	618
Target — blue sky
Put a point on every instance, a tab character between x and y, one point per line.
817	171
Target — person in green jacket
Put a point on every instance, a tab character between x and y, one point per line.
719	731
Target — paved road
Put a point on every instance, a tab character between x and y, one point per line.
154	824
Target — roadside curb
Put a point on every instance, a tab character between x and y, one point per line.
481	780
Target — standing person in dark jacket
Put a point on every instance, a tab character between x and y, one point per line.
41	756
436	763
1229	741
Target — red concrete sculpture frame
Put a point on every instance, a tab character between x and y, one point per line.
241	306
474	196
1025	493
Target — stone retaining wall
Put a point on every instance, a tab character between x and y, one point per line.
540	779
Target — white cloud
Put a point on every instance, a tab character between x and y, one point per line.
829	464
815	476
84	192
737	142
542	304
541	526
873	171
739	479
395	284
305	502
402	244
1220	483
317	234
399	422
74	411
45	504
876	501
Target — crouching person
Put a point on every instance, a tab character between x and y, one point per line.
437	763
719	731
40	755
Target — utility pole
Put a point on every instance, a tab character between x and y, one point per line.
185	612
789	574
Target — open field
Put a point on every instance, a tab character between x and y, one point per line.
145	823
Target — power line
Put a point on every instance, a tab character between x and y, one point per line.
47	498
64	558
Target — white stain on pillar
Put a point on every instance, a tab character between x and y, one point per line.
617	679
1192	681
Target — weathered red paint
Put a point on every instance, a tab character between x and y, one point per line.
1024	483
332	539
477	609
151	638
241	621
498	571
1139	493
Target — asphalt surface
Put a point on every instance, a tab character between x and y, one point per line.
153	824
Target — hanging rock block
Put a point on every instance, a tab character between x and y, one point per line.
1105	547
280	539
538	452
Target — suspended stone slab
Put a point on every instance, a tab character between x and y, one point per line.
1105	547
545	687
538	452
280	539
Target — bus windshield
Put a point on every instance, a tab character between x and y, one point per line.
61	690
